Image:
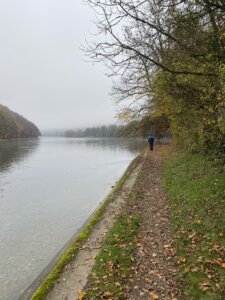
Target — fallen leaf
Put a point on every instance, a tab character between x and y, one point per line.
81	295
153	296
204	286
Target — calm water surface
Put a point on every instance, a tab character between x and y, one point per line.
48	188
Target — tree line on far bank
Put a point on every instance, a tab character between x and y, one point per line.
158	126
13	125
167	58
100	131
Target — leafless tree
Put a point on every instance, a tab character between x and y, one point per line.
141	37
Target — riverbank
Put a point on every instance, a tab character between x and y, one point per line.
179	250
142	266
149	245
141	181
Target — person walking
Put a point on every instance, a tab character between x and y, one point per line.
151	140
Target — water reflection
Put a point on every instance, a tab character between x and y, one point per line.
14	151
133	145
48	188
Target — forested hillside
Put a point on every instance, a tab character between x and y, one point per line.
12	125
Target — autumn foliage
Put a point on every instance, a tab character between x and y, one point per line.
168	59
12	125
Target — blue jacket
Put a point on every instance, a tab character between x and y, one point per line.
151	139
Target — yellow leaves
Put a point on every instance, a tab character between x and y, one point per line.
153	296
191	268
125	115
81	295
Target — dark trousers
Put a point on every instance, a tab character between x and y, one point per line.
151	146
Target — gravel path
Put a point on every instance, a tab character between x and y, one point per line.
153	273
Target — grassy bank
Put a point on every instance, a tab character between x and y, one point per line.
195	187
71	253
108	279
114	260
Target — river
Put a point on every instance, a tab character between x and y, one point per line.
48	188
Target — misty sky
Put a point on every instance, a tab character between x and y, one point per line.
43	73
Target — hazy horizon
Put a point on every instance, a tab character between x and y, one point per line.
44	76
62	129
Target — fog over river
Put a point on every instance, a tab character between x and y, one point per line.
48	188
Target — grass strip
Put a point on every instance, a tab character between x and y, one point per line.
108	279
113	263
71	253
195	187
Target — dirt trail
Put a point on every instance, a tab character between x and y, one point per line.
74	278
154	270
